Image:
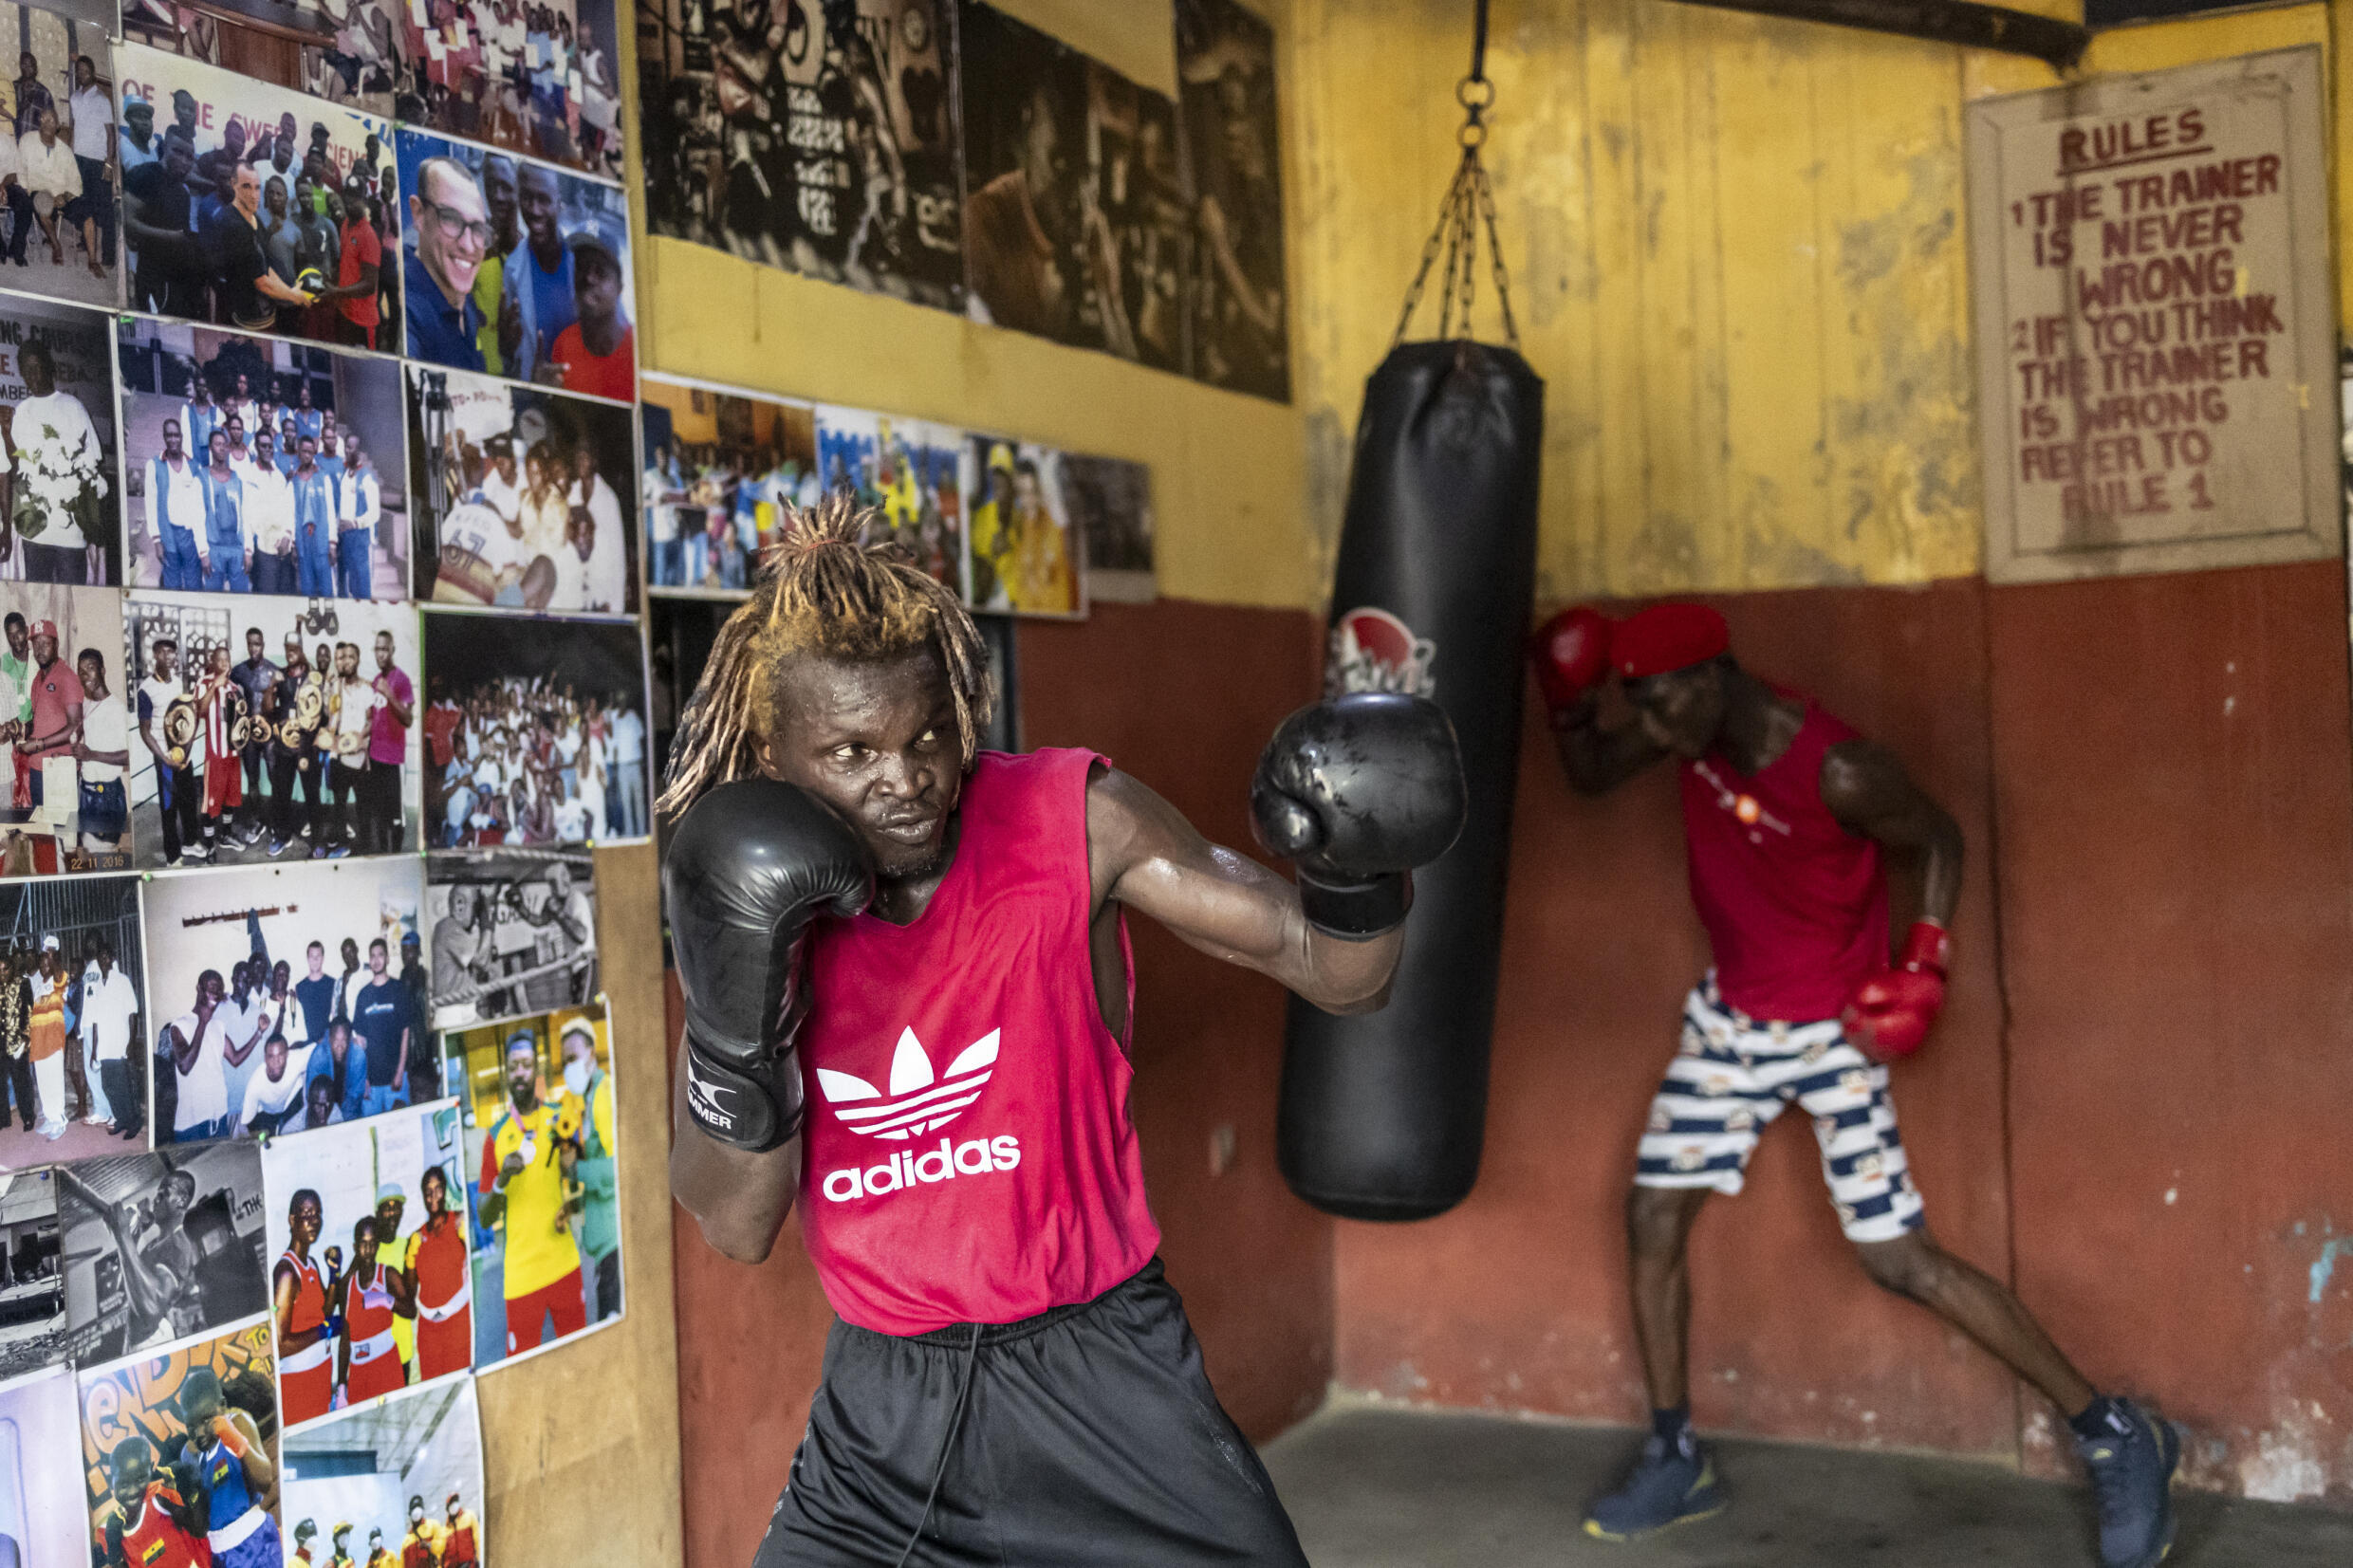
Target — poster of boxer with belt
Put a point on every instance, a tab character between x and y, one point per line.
272	730
254	465
511	932
265	210
527	498
369	1289
180	1455
817	136
403	1478
72	1079
537	1097
268	980
161	1248
57	407
63	731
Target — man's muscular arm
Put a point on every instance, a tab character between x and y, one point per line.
1867	789
739	1199
1141	852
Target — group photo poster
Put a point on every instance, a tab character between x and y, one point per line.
63	211
58	513
908	472
398	1482
510	932
288	998
73	1017
536	1096
161	1248
719	468
44	1511
517	269
1026	557
62	761
540	79
260	465
369	1287
817	137
162	1475
32	1275
265	210
344	52
1225	72
272	730
534	731
527	497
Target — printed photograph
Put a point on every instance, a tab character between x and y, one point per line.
1025	559
181	1456
719	468
288	998
369	1289
537	1099
161	1248
1225	72
534	732
516	268
512	931
61	194
396	1482
44	1517
265	210
536	78
64	732
73	1078
1111	506
57	408
906	470
260	465
272	730
342	51
528	499
32	1284
817	138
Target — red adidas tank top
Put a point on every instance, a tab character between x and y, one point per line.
967	1155
1794	903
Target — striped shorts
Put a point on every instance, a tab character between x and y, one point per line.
1732	1076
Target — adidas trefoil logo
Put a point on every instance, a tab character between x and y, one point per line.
919	1100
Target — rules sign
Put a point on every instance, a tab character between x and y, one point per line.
2156	348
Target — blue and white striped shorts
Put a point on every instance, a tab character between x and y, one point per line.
1732	1076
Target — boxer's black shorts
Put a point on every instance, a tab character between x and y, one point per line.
1090	1436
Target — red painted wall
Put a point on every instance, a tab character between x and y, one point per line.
2155	778
1182	695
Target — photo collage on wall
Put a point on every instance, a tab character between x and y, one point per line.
941	152
321	678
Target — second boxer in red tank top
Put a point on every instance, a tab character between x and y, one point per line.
908	1005
1790	816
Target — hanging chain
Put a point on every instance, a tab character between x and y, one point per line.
1468	210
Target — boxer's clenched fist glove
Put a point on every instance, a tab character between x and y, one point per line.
1571	656
748	867
1359	790
1889	1015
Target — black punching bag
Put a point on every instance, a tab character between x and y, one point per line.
1382	1116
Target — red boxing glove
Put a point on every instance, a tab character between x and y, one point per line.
1571	656
230	1437
1889	1015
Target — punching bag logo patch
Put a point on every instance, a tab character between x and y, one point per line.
1373	651
918	1100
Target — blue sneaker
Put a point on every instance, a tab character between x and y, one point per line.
2132	1465
1669	1485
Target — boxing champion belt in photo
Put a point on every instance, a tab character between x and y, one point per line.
350	750
1383	1116
241	732
310	705
180	732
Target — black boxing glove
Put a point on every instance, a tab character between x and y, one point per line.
748	867
1359	790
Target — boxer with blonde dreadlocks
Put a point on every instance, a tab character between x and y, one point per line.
936	936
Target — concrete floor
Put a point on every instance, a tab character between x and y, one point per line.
1373	1487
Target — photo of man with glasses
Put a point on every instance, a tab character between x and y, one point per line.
450	223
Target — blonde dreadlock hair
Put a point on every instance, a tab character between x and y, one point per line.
823	591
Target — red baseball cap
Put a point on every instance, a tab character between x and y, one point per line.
1665	637
43	629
